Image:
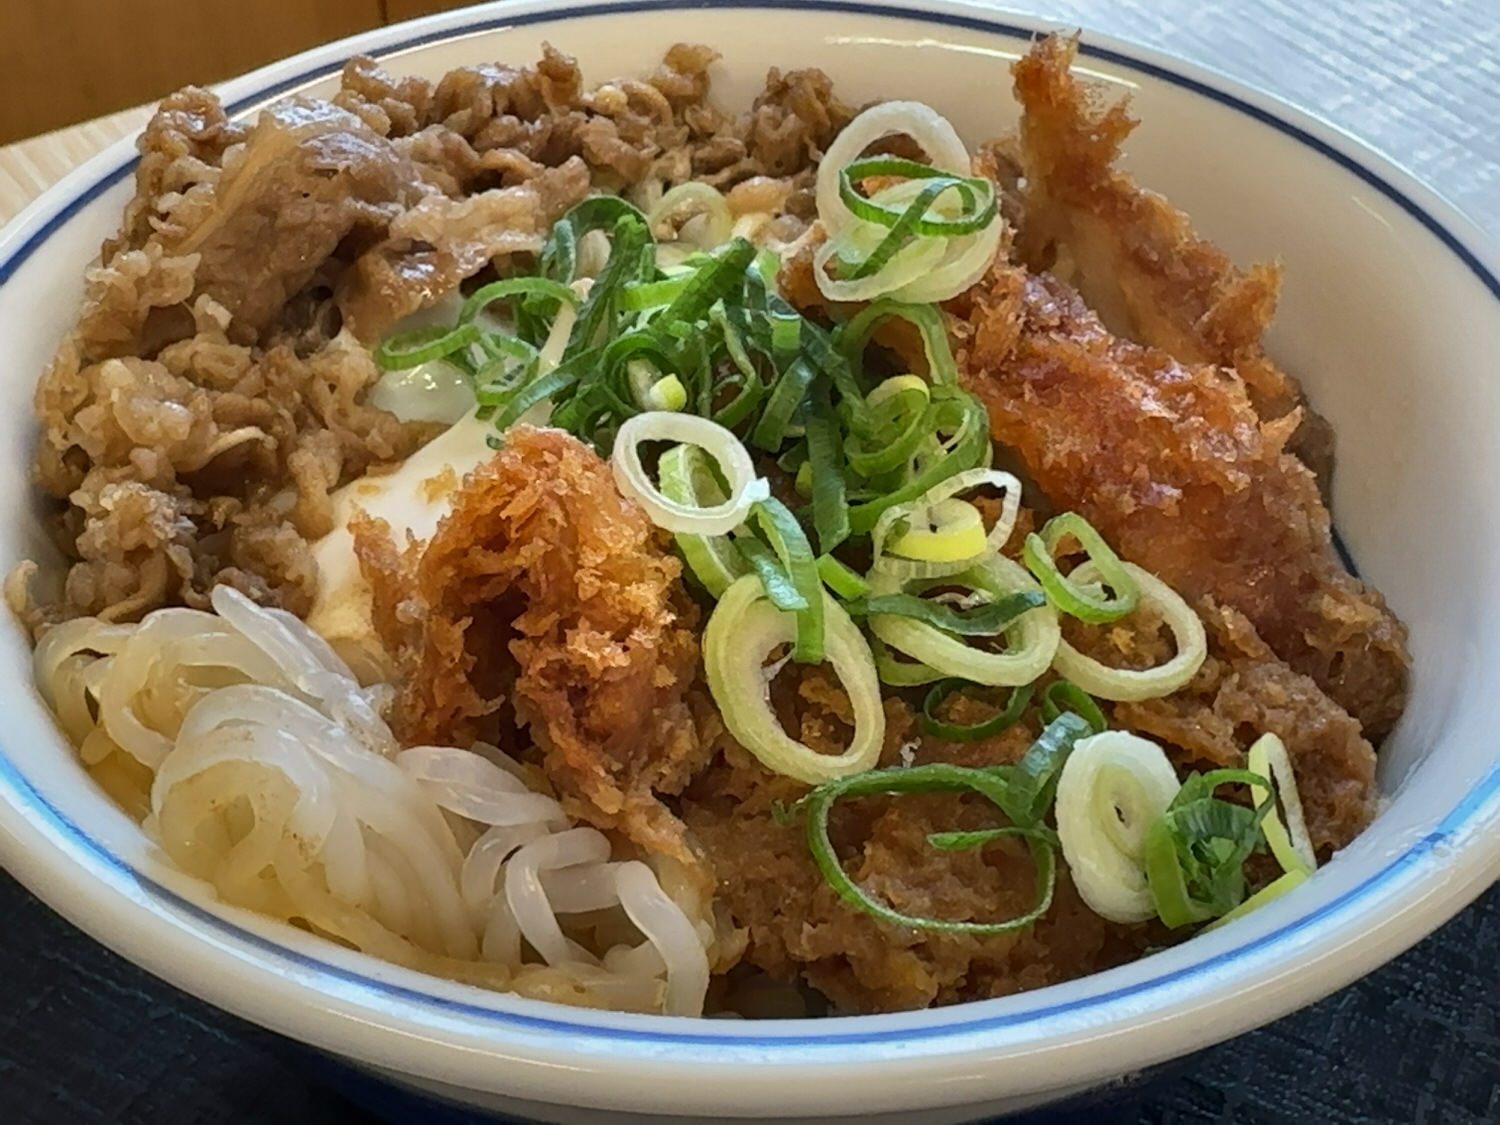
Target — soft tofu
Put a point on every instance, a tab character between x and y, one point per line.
412	500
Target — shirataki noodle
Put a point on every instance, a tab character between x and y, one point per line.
264	768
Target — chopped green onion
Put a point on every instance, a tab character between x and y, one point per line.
990	784
977	196
967	841
1289	841
786	396
825	466
422	345
789	542
933	533
776	582
1033	639
854	335
724	269
1287	881
1195	854
746	487
1128	684
840	579
899	418
742	631
949	531
1015	707
1034	778
691	199
687	477
1060	696
486	295
1113	789
1070	595
666	393
988	619
956	413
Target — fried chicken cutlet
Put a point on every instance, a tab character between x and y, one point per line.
1135	258
1173	465
545	596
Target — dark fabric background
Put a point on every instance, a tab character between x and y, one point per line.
86	1037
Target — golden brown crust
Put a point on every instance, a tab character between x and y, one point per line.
1175	468
543	607
1137	259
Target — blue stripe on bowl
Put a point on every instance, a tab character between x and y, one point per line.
839	1033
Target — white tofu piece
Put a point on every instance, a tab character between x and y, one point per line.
412	499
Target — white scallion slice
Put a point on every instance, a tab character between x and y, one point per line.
950	531
1290	843
687	478
1123	685
745	487
1113	788
857	241
932	132
1032	641
965	258
919	513
965	261
742	631
694	213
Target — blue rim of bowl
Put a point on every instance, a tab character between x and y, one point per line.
829	1033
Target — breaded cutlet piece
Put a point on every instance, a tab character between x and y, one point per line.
546	601
1172	464
1136	258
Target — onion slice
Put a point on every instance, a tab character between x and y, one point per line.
1124	685
743	630
1114	787
745	487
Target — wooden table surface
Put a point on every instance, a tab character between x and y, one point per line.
86	1037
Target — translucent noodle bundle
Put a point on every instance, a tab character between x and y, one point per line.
260	765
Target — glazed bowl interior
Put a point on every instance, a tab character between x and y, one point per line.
1389	316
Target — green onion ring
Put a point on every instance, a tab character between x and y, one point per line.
742	630
1004	719
1067	594
1060	696
422	345
514	287
989	619
686	476
1124	685
854	335
977	194
1036	633
924	779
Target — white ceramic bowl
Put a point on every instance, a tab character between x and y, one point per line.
1391	316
